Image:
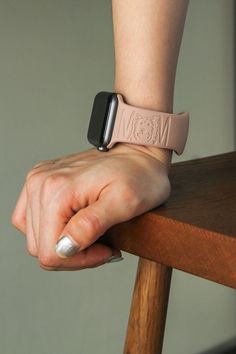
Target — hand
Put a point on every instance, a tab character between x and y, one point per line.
84	194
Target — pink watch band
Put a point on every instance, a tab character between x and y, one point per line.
147	127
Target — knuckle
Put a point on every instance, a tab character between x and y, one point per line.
130	196
55	180
32	251
47	260
17	221
91	223
33	180
29	175
53	183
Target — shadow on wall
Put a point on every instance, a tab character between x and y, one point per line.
228	347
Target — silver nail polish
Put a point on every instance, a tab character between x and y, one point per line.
114	259
65	247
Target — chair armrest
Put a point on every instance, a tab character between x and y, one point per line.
195	230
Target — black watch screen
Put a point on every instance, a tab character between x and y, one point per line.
102	119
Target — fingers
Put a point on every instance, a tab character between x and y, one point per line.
116	204
45	212
76	231
56	212
18	217
33	188
93	256
42	211
31	241
68	203
22	220
86	226
19	214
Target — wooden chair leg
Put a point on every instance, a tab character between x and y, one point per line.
146	325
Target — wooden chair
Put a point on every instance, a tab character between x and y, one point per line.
194	231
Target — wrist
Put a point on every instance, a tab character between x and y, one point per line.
147	95
162	101
161	154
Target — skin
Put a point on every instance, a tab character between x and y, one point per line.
84	194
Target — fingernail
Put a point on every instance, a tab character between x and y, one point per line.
114	259
65	247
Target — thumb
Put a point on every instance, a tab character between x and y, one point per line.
86	226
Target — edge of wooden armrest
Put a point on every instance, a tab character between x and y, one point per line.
194	231
186	247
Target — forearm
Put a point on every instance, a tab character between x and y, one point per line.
147	39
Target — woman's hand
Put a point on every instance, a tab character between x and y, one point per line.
81	196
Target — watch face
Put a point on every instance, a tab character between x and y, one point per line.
99	126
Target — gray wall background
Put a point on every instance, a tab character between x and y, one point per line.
55	55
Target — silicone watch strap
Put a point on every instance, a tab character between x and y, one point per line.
147	127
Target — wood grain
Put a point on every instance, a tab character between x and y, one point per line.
145	332
204	193
195	230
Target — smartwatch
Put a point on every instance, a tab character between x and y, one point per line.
112	121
